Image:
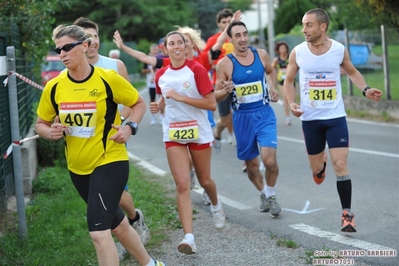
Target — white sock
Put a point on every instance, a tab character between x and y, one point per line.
263	191
270	191
216	207
189	237
151	263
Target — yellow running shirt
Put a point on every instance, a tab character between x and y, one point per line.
88	108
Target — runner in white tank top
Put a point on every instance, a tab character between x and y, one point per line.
319	61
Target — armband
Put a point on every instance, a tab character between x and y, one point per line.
215	54
364	91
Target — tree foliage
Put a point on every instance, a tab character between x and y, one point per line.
206	15
353	15
136	20
34	20
150	19
289	14
382	10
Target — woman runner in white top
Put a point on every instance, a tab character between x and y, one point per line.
186	94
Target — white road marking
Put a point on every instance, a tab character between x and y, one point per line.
387	154
361	244
305	209
301	227
146	165
161	172
360	121
371	122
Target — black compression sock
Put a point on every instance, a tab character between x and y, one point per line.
344	189
131	221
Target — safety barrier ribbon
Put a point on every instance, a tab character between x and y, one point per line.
25	79
18	142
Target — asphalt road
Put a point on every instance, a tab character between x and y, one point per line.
312	213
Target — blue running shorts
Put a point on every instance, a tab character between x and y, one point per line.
253	129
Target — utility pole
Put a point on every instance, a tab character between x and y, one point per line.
261	37
270	28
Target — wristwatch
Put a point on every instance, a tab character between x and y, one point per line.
364	91
133	126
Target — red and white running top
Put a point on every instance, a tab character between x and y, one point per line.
184	123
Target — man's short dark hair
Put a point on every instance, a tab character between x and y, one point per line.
232	24
224	13
321	15
86	23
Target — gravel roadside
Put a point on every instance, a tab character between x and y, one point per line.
233	245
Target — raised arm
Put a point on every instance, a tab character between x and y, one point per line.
142	57
222	37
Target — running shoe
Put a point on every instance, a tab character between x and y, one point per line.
187	247
274	207
206	199
319	178
192	179
153	119
230	138
244	167
160	118
159	263
217	145
218	217
288	121
264	205
348	222
121	250
141	228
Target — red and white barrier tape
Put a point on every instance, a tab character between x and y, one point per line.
34	84
25	79
18	142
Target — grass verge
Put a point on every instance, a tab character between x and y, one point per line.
56	220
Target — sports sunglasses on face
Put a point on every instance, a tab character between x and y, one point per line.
67	47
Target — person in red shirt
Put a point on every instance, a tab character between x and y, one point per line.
223	19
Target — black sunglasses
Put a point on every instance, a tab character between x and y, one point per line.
67	47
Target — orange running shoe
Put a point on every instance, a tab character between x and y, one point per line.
319	178
348	222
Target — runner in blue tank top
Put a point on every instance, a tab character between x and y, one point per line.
242	75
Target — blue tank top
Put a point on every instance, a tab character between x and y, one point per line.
250	82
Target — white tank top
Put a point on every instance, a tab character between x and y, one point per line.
320	82
106	62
